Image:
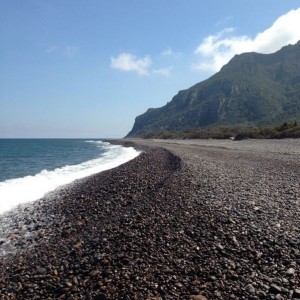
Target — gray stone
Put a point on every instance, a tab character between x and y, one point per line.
296	293
41	270
275	288
198	297
290	271
250	288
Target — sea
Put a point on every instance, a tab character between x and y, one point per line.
30	168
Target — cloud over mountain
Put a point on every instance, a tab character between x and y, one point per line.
216	50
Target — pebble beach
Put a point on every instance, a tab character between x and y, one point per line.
191	219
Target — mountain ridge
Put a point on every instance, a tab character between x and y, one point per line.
252	89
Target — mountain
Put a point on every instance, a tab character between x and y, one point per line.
252	89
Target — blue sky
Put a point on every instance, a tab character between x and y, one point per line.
74	68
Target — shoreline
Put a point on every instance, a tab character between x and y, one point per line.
178	220
24	185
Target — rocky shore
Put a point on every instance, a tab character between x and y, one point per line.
184	220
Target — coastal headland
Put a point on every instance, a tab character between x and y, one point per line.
189	219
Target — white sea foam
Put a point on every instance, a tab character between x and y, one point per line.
30	188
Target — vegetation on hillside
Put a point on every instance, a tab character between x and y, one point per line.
286	130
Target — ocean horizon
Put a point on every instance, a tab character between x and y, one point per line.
32	167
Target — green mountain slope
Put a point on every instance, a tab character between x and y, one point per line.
252	89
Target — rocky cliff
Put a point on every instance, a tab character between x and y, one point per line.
252	89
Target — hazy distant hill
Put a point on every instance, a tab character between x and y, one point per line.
251	89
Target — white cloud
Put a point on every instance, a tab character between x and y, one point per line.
163	71
170	52
217	50
128	62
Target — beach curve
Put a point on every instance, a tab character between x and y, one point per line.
178	222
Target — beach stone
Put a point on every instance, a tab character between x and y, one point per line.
275	288
250	289
41	270
100	296
296	293
197	297
290	271
284	290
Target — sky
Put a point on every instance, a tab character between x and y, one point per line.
87	68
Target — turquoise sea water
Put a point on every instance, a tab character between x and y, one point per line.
29	168
22	157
